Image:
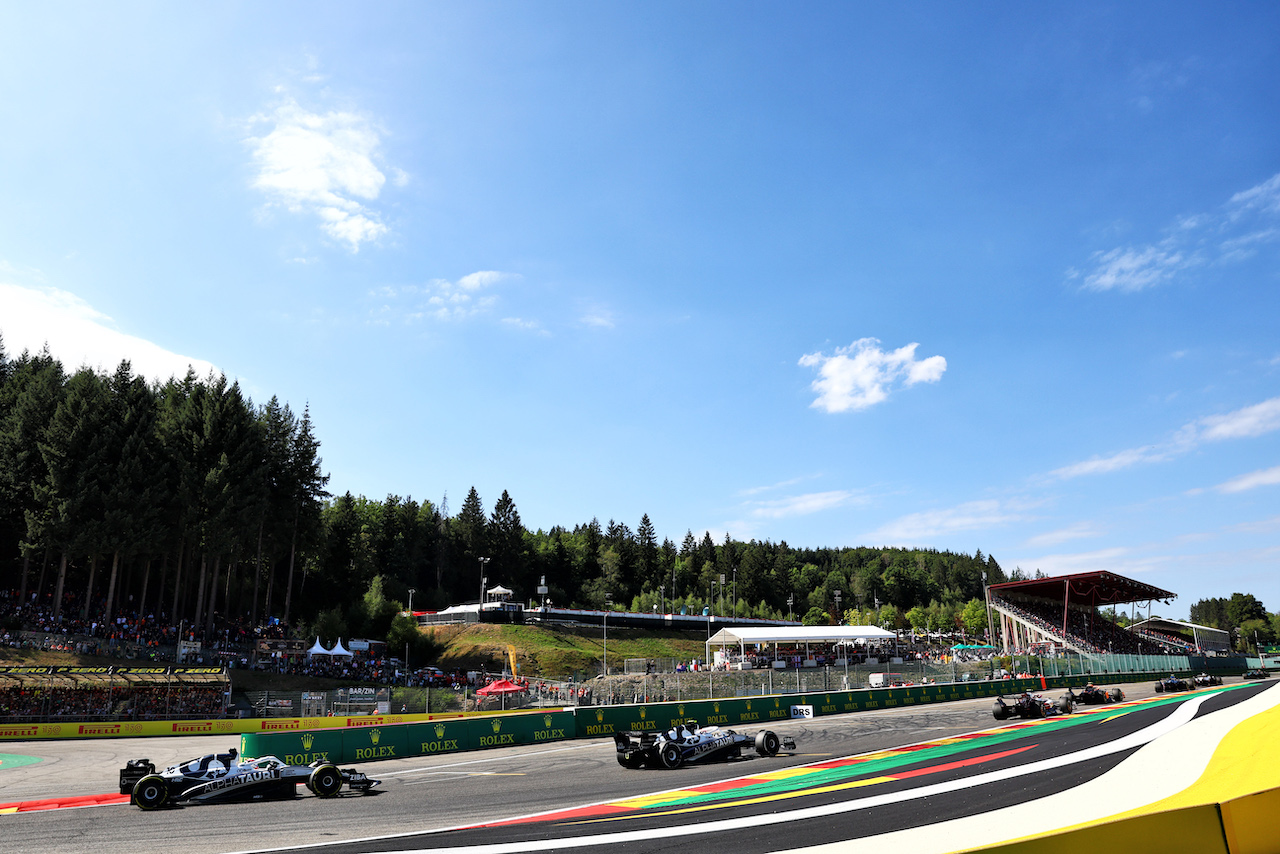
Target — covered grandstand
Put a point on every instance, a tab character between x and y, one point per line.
1061	614
1188	638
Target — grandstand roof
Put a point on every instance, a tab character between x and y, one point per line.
796	634
1087	588
78	677
1162	624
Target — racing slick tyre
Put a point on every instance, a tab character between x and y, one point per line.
767	743
325	781
999	710
1065	706
1159	687
151	792
1116	695
633	761
671	756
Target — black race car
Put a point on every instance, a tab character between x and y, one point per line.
1092	695
690	743
217	777
1032	706
1256	674
1173	683
1204	680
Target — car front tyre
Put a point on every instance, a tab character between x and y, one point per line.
767	743
325	781
151	792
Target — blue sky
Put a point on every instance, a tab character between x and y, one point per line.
947	275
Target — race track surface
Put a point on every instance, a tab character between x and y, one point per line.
936	778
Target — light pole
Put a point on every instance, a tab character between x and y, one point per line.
839	615
483	580
662	596
735	592
412	590
608	603
791	600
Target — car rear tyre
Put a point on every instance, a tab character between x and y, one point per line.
633	761
1116	695
999	710
326	781
1159	687
151	792
767	743
1064	705
671	757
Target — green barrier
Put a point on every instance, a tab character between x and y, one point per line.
523	729
449	736
364	744
296	748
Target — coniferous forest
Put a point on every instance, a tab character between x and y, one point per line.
188	501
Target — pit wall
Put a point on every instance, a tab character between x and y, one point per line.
362	739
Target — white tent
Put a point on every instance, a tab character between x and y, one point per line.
741	636
317	648
340	650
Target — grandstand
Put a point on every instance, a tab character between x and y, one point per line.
1187	638
31	694
1061	613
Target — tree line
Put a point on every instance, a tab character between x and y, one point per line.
186	500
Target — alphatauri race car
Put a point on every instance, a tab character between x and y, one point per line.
690	743
1032	706
217	777
1173	683
1092	695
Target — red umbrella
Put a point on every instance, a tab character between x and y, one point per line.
501	688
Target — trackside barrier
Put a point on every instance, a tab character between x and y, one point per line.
360	742
585	722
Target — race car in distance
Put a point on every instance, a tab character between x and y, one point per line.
1173	683
217	777
1204	680
1032	706
1092	695
689	743
1256	674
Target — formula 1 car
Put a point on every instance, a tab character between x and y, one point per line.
1173	683
217	777
1204	680
1256	674
1032	706
690	743
1091	695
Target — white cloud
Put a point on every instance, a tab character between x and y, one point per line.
1232	233
526	324
861	375
599	318
1128	269
1078	531
917	529
1117	560
1252	480
1245	423
441	299
78	334
799	505
322	165
1115	462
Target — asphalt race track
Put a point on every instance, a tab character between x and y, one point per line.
932	778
